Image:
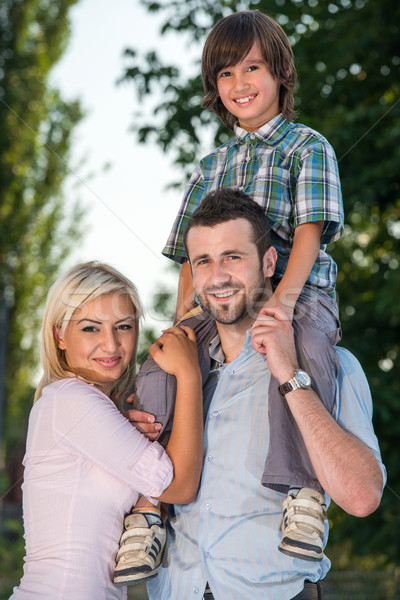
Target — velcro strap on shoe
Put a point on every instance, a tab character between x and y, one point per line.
137	549
305	506
137	532
303	521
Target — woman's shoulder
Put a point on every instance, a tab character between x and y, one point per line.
71	388
70	400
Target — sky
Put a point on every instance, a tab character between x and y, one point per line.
129	211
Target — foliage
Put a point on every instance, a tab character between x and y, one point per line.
12	551
36	128
163	311
348	57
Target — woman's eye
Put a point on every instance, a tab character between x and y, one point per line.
89	329
125	327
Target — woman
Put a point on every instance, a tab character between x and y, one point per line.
85	465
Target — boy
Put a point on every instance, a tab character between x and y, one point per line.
291	171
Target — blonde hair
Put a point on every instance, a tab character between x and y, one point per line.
229	42
79	285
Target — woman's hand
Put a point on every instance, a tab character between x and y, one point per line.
176	351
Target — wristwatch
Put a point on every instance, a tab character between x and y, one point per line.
300	380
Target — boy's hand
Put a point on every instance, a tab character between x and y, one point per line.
272	335
143	421
276	302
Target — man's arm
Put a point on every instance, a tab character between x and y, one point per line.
346	468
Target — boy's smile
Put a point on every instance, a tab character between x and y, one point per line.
248	90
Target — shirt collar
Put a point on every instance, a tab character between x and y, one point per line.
270	133
216	352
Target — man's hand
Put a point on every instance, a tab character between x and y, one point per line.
272	335
143	421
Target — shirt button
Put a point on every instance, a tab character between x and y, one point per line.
215	413
208	506
231	372
208	555
252	136
196	590
210	458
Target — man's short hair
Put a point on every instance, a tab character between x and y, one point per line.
227	204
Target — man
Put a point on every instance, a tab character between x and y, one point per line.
229	536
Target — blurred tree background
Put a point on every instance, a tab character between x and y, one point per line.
36	232
348	60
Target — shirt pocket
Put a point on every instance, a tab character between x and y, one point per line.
271	188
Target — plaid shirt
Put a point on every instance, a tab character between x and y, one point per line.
291	171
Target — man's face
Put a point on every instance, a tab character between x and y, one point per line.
227	275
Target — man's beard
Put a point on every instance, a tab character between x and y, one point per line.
248	305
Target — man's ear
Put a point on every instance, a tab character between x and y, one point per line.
59	338
269	262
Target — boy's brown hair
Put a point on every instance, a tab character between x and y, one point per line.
229	42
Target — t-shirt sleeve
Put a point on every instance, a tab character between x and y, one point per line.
318	190
354	404
89	425
193	195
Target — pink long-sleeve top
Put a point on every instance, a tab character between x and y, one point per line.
85	465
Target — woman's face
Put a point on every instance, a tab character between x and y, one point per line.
100	339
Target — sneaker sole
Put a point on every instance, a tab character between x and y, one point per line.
135	579
312	556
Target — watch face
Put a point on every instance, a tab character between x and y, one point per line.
303	378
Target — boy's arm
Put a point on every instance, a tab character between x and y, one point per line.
185	299
306	245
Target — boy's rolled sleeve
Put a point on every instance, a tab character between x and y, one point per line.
318	191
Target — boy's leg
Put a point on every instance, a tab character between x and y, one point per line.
141	545
317	329
303	524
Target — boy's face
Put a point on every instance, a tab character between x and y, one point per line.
249	91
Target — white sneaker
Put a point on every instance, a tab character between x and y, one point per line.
140	551
303	525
